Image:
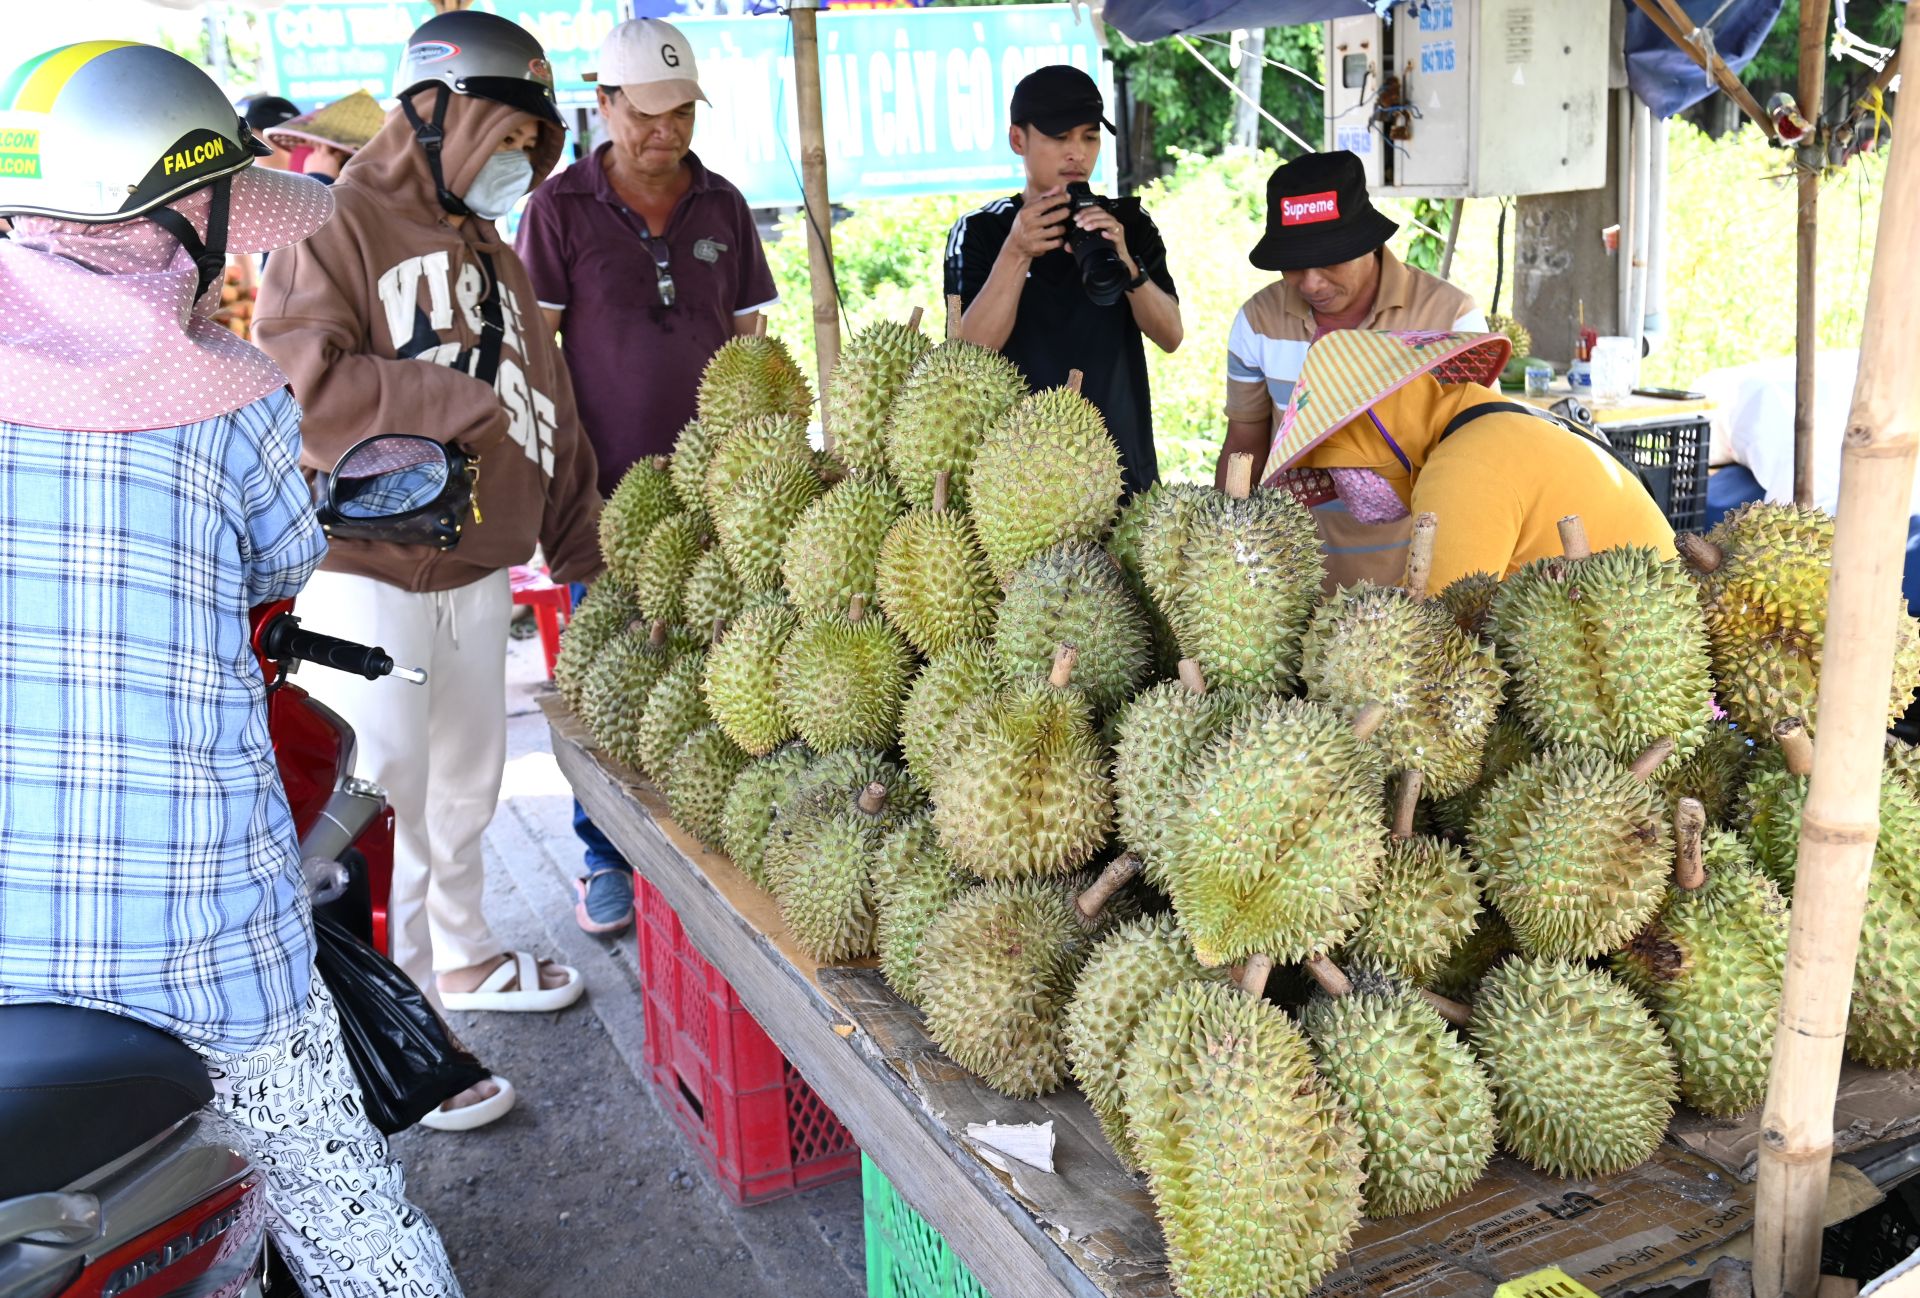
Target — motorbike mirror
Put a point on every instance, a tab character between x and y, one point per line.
388	476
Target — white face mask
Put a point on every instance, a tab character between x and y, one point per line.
502	182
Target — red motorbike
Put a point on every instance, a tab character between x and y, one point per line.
113	1182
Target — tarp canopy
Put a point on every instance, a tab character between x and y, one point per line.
1669	82
1152	20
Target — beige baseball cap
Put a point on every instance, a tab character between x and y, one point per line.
651	62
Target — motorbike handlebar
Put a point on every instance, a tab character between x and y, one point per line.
284	639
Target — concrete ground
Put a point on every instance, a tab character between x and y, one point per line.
587	1188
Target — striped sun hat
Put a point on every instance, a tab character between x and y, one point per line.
1348	372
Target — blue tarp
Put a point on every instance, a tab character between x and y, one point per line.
1150	20
1661	73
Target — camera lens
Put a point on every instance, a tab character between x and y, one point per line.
1102	274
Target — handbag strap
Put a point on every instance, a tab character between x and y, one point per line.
493	326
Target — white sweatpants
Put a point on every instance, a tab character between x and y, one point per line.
337	1202
439	749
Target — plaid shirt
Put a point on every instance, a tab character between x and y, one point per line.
148	863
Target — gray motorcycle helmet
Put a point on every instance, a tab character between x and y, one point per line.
109	130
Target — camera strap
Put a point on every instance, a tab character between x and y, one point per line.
493	325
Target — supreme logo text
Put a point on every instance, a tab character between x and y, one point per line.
1306	209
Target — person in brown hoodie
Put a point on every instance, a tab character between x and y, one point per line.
409	314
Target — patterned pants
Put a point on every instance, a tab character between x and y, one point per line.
338	1208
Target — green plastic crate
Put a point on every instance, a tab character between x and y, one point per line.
906	1258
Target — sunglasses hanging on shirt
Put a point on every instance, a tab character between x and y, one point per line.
656	249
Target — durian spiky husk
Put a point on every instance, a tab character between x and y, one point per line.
1025	789
830	555
753	520
952	396
666	562
615	691
1576	852
693	448
1459	975
1583	1078
1160	736
674	710
1442	689
742	679
866	382
1423	1107
751	377
1608	652
1426	906
1883	1024
933	581
711	593
1254	1168
606	614
1277	843
1047	473
843	681
819	865
1124	545
1766	616
1237	579
755	444
757	793
698	778
644	498
1710	965
913	880
1074	594
1128	970
1713	776
1469	602
945	689
1508	745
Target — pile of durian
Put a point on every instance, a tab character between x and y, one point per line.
1516	854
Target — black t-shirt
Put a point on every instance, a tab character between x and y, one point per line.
1059	329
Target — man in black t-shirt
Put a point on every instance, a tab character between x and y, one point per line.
1020	286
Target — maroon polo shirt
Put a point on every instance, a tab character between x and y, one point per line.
636	364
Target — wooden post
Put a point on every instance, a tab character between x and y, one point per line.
1806	305
813	184
1841	821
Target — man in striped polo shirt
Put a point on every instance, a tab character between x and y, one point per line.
1328	242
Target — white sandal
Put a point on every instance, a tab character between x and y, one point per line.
471	1116
527	995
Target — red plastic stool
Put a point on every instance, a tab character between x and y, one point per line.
552	606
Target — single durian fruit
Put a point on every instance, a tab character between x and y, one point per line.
1025	789
997	968
1426	906
1458	977
613	697
843	773
1442	688
1237	575
762	785
1074	594
1124	545
666	562
866	382
742	679
693	448
945	689
1762	573
1710	966
953	395
753	520
820	869
913	880
1048	472
1160	736
750	377
1576	850
711	594
932	577
830	554
1469	602
1423	1106
607	613
756	444
1713	775
698	778
1583	1078
644	498
1277	842
1516	333
674	710
1508	745
1127	972
1255	1169
842	679
1605	650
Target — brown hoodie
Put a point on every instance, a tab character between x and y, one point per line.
375	320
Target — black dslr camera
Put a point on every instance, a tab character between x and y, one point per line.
1102	274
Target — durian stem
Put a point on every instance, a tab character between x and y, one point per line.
1064	659
661	463
1333	981
872	799
1420	556
913	321
1118	874
719	628
1701	554
1455	1012
1240	475
1689	862
1408	802
1192	677
1795	745
1074	379
954	312
1643	766
1573	538
942	485
658	635
856	607
1254	975
1367	720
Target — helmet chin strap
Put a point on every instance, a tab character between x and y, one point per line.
432	136
209	255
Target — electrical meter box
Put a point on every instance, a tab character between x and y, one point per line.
1469	98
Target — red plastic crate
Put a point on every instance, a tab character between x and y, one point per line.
760	1128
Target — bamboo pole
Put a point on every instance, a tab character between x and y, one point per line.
1841	821
1806	298
813	185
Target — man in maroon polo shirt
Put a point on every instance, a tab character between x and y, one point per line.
645	263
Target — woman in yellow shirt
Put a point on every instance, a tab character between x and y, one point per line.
1397	423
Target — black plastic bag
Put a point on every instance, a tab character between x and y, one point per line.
406	1058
